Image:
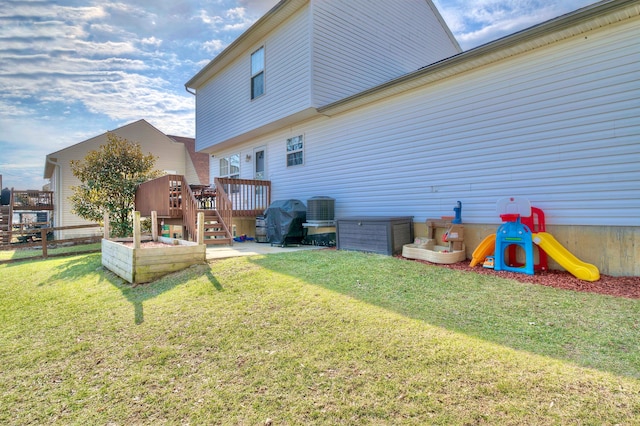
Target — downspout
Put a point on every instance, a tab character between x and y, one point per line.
189	91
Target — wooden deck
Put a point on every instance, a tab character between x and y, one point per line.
27	202
176	201
31	200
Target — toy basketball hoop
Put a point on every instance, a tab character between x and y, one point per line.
511	208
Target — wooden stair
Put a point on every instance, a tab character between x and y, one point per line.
5	224
214	230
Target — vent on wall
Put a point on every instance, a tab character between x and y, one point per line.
320	209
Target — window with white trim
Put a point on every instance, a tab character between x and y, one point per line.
230	166
257	73
295	151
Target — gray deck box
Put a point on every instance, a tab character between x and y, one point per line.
375	234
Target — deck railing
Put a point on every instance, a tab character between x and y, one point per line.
249	197
32	200
164	195
171	197
190	214
223	206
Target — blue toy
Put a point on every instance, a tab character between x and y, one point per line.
514	233
458	210
510	234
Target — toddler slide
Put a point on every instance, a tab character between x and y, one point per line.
580	269
484	249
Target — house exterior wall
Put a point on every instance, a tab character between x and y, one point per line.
558	125
359	44
224	108
325	51
171	157
190	173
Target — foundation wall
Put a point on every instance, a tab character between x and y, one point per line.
614	250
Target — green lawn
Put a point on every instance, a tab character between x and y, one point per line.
312	337
36	252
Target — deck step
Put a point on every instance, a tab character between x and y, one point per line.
220	233
217	241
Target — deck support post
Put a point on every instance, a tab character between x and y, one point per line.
154	225
200	228
107	231
136	230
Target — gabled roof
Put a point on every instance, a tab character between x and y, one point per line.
50	161
569	25
271	20
189	143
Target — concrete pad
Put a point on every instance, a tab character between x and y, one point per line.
251	248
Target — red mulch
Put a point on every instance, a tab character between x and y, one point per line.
628	287
150	244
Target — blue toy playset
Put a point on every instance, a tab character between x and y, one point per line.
513	233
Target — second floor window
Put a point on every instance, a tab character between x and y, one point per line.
257	73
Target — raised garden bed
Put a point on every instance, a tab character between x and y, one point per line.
141	262
150	262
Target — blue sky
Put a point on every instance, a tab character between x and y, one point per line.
73	69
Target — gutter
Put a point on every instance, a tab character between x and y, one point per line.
48	160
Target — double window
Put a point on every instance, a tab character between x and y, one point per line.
257	73
295	151
230	166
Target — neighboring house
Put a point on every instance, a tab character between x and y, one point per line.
330	99
175	155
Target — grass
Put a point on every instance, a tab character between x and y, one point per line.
35	252
320	337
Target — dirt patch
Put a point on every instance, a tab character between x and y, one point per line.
150	244
628	287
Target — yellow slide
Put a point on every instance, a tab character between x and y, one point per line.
580	269
484	249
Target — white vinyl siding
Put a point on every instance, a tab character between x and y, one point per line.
359	44
257	73
346	47
223	107
559	125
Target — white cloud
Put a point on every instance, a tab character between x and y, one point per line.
151	41
475	22
214	46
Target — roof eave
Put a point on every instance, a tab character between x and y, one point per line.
274	17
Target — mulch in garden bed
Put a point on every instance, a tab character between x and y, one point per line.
628	287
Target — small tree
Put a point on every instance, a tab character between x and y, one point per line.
109	177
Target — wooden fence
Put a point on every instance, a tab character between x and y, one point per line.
45	244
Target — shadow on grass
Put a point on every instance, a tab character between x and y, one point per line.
140	293
589	330
76	267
